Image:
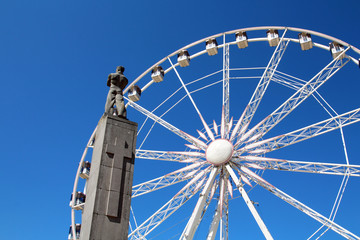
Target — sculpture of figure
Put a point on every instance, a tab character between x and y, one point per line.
117	82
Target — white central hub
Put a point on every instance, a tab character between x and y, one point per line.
219	152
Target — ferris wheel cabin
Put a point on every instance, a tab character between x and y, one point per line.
273	37
77	232
241	39
184	58
212	47
157	74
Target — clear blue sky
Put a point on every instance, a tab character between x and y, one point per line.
54	60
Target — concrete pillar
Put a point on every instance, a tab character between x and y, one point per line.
108	195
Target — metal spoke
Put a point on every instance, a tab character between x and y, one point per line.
224	217
248	202
310	167
167	125
209	132
307	210
165	211
263	83
226	83
163	155
214	224
172	178
302	134
195	218
302	93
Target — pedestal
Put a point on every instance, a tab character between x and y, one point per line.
108	193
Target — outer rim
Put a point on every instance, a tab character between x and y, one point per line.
299	30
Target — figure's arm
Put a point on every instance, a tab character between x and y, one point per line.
108	83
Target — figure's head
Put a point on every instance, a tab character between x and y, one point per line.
120	69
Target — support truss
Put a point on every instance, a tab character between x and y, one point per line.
224	216
226	83
165	124
162	182
214	224
250	205
209	132
194	220
303	93
307	210
160	155
165	211
264	82
311	167
305	133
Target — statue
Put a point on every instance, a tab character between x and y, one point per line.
117	82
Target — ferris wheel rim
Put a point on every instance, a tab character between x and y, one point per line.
259	28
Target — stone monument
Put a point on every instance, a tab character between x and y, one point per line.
107	208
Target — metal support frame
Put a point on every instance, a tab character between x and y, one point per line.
250	205
209	132
194	220
214	224
311	167
160	155
307	210
167	125
162	182
262	85
302	134
224	214
302	93
165	211
226	83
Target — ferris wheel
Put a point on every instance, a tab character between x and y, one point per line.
246	118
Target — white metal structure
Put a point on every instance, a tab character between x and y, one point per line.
209	131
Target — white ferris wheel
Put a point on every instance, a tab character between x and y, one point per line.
255	119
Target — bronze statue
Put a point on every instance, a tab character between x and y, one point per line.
117	82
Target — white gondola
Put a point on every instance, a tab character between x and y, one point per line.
305	41
79	201
212	46
85	170
184	58
157	74
336	49
241	39
134	93
273	37
77	232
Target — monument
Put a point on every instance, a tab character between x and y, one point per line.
107	209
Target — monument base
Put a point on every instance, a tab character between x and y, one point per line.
108	193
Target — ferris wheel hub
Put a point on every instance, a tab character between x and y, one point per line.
219	152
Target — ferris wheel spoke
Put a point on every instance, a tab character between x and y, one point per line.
310	167
167	125
214	224
226	82
165	181
208	131
195	218
302	134
300	95
164	156
248	202
263	83
224	207
307	210
167	210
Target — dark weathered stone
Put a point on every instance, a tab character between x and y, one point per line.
107	207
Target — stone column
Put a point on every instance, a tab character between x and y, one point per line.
108	194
